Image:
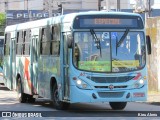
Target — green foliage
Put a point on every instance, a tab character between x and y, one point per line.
2	19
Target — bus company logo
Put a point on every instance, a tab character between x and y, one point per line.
6	114
111	87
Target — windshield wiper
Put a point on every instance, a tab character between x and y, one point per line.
97	41
122	38
118	43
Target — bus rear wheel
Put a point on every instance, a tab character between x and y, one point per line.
118	105
31	99
22	97
56	102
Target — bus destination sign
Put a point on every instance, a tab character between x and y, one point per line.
107	21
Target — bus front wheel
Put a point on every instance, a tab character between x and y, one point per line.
118	105
22	97
57	103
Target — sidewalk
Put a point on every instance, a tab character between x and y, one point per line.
153	97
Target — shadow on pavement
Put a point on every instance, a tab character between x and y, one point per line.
155	103
2	87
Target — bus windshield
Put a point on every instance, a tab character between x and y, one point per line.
121	51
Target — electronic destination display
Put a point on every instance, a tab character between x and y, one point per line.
107	21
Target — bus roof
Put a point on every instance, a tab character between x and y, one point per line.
68	18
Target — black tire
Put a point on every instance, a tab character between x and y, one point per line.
31	99
58	104
22	97
118	105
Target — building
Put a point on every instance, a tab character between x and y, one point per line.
20	5
86	4
18	11
24	10
50	5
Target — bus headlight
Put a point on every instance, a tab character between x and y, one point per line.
141	81
79	82
82	85
138	83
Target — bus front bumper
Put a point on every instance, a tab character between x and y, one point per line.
81	95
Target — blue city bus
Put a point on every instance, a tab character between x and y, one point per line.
93	56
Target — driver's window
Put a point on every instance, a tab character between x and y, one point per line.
82	46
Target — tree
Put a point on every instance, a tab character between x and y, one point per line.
2	19
2	23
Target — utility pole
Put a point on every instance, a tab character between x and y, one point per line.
24	4
29	17
149	8
99	4
118	5
107	5
6	9
48	6
6	6
27	4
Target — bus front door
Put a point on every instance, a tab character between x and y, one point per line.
34	68
13	61
66	68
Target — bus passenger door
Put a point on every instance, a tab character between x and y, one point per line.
13	61
34	59
66	68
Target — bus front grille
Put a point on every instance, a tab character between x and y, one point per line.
124	86
120	79
110	94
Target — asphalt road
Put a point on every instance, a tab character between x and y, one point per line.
45	109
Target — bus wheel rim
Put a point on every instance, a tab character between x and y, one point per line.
56	97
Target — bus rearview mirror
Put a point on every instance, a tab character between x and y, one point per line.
148	42
69	40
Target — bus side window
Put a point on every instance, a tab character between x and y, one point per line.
76	53
53	33
5	40
26	44
55	48
55	43
7	44
42	40
19	43
45	43
24	40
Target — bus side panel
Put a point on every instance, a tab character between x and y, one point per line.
22	67
48	67
6	71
